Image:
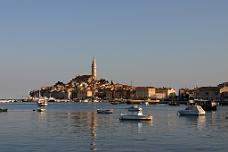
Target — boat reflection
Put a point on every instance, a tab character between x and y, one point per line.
201	122
139	125
42	116
198	122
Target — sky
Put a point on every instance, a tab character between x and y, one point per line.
144	42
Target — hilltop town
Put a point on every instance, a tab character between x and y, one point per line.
88	87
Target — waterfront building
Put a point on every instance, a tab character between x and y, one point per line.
84	93
145	92
207	93
160	95
223	87
185	94
223	90
165	93
108	94
70	93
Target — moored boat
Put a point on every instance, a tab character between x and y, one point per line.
51	99
41	109
104	111
136	116
3	110
42	102
135	113
135	108
192	110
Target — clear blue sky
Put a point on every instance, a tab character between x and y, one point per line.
159	43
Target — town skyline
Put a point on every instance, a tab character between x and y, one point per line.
90	88
149	43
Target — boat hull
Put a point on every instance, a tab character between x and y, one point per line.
41	110
134	108
104	111
133	117
190	113
3	110
192	110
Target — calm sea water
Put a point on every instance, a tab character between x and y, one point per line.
76	127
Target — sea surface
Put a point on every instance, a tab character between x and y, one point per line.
76	127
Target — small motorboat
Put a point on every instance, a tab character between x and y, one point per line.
42	102
3	110
135	116
104	111
41	109
192	110
135	108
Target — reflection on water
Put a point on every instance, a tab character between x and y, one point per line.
201	121
42	116
197	121
93	131
138	125
71	122
142	124
75	123
65	127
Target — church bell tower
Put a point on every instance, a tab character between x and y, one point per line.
94	69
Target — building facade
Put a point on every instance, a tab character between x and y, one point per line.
165	93
223	90
207	93
145	92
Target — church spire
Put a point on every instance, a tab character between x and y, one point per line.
94	69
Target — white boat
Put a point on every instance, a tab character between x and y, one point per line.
41	109
135	116
192	110
85	100
146	103
42	102
51	99
104	111
96	101
134	108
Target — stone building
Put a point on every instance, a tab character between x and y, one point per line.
165	93
207	93
223	90
84	93
145	92
186	94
